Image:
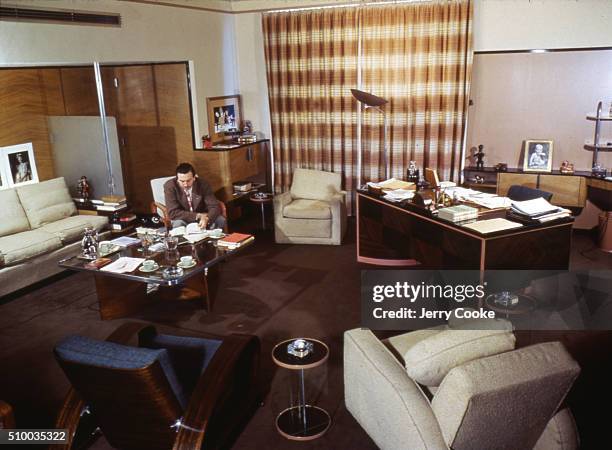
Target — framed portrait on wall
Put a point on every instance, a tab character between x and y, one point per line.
18	164
538	156
224	116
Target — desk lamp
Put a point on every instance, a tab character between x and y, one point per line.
375	102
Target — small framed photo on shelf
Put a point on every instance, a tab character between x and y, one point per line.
224	116
18	164
538	156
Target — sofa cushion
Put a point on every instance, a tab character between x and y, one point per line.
315	184
71	228
428	361
14	218
46	202
307	209
18	247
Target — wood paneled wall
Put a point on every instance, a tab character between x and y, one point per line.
149	101
23	115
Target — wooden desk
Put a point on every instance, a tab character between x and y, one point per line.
391	235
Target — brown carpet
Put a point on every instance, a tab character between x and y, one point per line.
274	291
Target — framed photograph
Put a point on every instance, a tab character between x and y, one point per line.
538	156
224	116
18	164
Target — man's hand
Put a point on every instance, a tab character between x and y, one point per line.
202	220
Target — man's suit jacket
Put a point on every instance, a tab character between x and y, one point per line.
202	198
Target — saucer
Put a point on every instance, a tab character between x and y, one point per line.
153	269
113	249
189	266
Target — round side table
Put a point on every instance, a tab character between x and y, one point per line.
302	422
262	199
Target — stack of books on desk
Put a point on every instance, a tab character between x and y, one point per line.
110	203
235	240
458	213
537	210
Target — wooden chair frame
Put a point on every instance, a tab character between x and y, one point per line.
234	366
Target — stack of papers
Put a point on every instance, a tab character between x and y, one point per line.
123	265
538	210
392	184
398	195
125	241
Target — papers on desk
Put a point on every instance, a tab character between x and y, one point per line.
534	208
123	265
484	199
538	210
492	225
493	202
391	184
125	241
398	195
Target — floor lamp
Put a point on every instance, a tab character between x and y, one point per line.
375	102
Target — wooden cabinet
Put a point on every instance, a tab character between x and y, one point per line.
505	180
567	190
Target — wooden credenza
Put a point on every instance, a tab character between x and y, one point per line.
567	190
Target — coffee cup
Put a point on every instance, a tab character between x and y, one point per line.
105	246
216	232
148	264
186	260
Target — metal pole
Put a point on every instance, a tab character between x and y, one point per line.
303	398
109	166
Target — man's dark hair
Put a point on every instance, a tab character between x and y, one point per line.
185	168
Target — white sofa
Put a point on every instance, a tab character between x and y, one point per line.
39	226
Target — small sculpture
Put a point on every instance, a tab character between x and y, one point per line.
89	244
566	167
479	155
83	188
412	173
501	167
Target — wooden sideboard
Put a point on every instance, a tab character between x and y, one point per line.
569	190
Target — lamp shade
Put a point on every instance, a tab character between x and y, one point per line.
368	99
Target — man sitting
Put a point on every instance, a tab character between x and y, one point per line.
191	199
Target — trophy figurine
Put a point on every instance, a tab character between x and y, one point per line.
479	155
83	188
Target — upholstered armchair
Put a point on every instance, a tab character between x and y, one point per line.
169	392
313	211
460	390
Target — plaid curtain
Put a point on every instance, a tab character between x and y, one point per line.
419	57
416	55
311	59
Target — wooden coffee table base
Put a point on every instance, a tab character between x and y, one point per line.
120	298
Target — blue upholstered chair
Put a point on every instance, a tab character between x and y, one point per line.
167	390
520	193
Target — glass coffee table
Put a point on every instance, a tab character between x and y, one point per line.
122	294
302	422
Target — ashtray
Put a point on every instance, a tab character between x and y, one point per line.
300	348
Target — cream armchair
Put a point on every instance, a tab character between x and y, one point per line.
459	389
313	211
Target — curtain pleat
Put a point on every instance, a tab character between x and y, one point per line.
419	57
311	61
416	55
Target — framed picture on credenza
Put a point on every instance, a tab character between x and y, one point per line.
17	165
